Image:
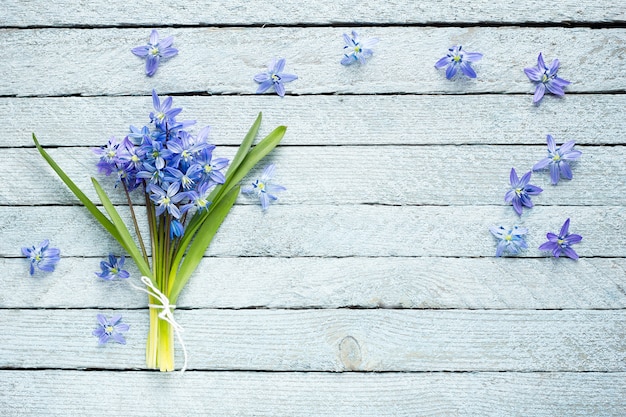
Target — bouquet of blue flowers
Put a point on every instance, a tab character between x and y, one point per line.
187	197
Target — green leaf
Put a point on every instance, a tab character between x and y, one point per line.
245	145
200	243
97	214
125	239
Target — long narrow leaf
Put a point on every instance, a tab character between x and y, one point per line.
96	213
200	243
125	239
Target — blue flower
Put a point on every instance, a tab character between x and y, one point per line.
176	229
356	50
520	191
198	198
110	329
113	268
274	77
167	200
263	189
154	51
42	256
561	244
186	179
509	240
546	79
211	168
558	159
164	115
456	59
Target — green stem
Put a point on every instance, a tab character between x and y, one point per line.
132	214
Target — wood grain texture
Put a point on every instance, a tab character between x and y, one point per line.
218	60
398	175
203	12
422	283
220	394
331	340
329	120
338	231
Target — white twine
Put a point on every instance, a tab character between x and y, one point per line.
167	314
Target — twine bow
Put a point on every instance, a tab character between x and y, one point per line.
167	314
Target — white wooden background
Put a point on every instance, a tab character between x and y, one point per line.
370	289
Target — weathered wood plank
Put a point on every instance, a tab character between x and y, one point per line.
338	231
99	61
328	120
332	340
398	175
436	283
202	12
62	393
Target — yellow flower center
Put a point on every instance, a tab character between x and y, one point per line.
38	257
154	50
166	200
518	191
508	237
544	78
560	241
134	158
556	157
185	154
261	186
201	203
457	58
207	168
109	329
275	77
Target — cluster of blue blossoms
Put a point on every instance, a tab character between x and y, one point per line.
177	168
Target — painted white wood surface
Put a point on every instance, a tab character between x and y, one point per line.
338	231
143	12
100	61
338	120
382	260
333	340
452	175
379	282
544	394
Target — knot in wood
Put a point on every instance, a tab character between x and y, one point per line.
350	353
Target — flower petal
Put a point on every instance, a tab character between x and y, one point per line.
517	206
443	62
280	89
264	86
261	77
542	164
169	52
533	74
566	171
467	69
555	89
140	51
286	78
565	228
513	178
451	71
539	92
166	42
154	37
551	143
152	63
571	253
554	174
572	239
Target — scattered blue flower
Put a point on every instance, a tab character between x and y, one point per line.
156	50
263	189
510	241
110	329
557	160
356	50
42	256
546	79
456	59
561	244
274	77
113	268
520	192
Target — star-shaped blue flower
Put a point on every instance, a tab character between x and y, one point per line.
520	192
557	160
561	244
509	240
546	79
156	50
274	77
456	59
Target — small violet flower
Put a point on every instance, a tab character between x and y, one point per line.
110	329
113	268
154	51
561	244
546	78
263	189
520	191
274	77
509	240
42	256
356	50
557	160
456	59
